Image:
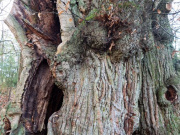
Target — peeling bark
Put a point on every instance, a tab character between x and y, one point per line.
66	22
113	75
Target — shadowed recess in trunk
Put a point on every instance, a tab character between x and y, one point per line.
41	99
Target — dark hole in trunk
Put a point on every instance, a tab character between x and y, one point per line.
136	132
55	103
41	99
171	94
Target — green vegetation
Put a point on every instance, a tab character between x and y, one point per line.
90	16
127	4
9	60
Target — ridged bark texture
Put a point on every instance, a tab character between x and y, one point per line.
114	74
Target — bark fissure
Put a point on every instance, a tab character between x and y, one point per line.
113	75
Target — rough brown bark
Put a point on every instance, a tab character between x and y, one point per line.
114	75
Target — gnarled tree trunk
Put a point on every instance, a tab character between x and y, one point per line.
111	74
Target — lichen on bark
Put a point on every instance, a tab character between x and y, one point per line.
116	75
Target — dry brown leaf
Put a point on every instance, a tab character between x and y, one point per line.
109	32
112	44
80	20
158	47
109	8
60	12
174	52
178	19
29	45
112	23
159	11
67	5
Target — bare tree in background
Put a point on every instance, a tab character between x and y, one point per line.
9	58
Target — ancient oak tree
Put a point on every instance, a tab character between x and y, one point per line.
95	67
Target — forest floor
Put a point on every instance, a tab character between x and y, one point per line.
3	100
4	97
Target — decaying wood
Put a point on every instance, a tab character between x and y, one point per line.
7	125
114	75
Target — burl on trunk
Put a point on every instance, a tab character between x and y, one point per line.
94	67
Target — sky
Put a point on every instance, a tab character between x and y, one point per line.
175	22
5	8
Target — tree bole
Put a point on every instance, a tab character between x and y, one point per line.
113	75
